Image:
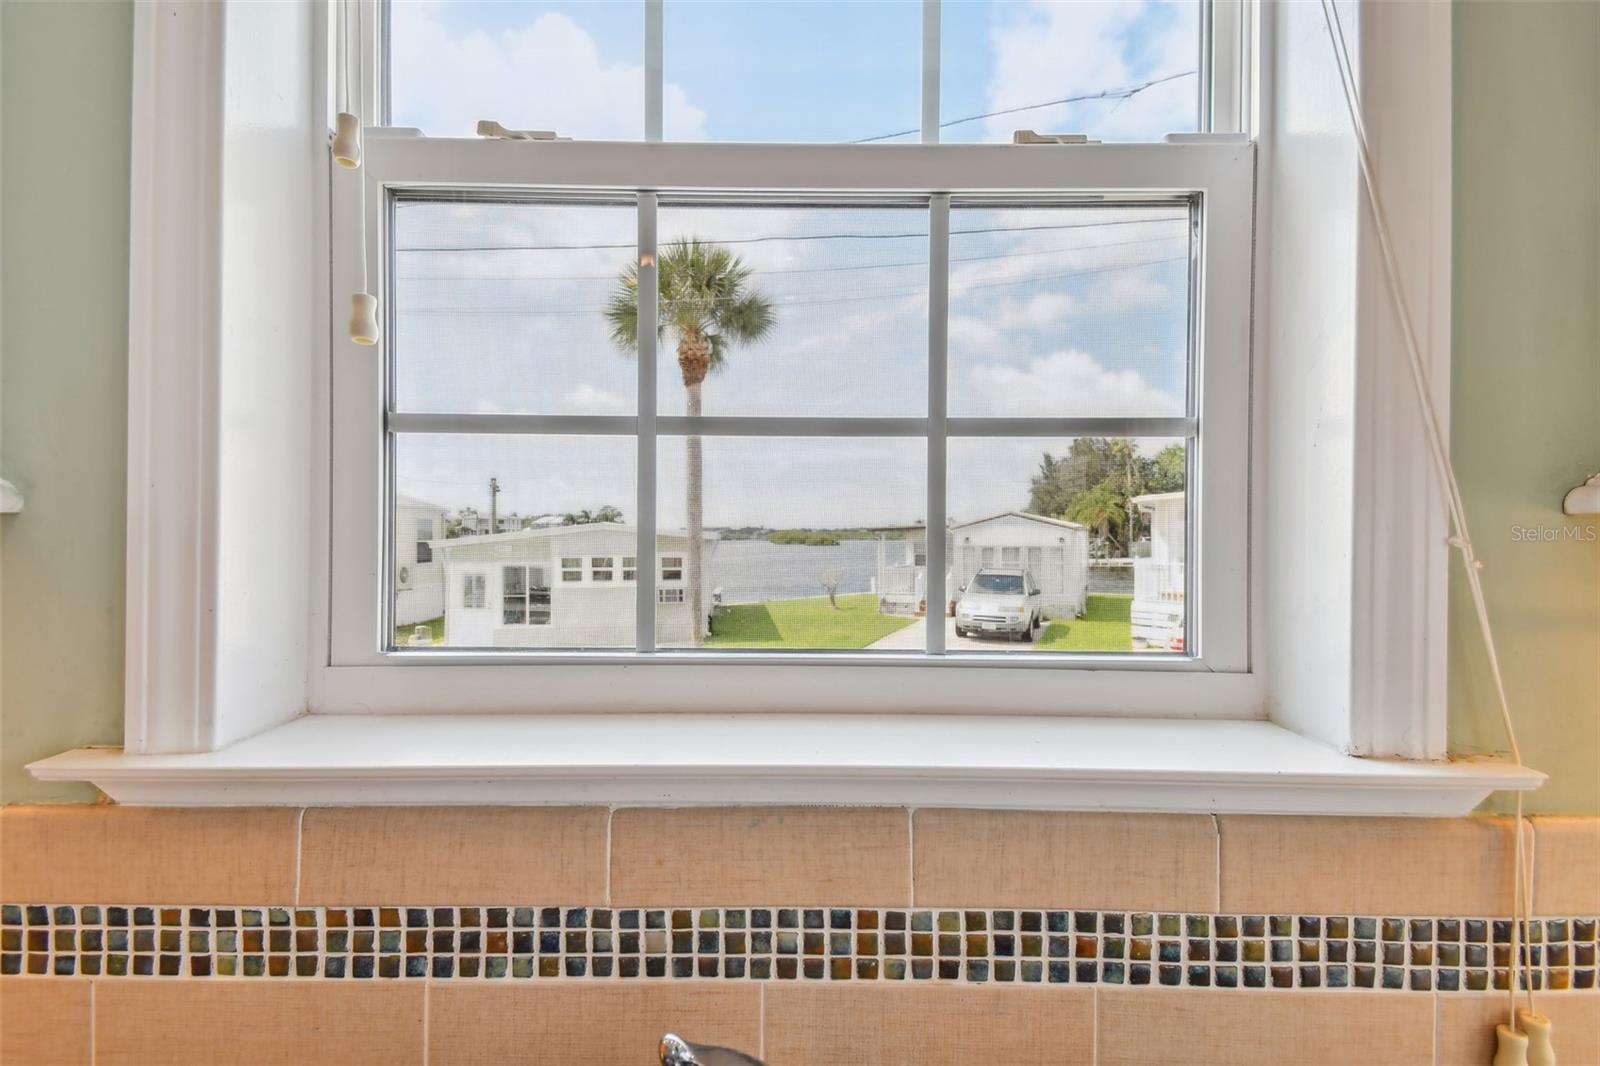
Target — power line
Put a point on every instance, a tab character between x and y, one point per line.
923	234
1123	94
855	296
764	272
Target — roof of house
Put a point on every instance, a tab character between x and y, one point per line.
1158	497
553	532
412	501
1021	514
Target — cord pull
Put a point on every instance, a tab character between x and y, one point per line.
1538	1029
1511	1047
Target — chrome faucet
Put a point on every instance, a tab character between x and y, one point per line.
676	1051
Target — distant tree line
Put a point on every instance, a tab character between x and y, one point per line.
1094	483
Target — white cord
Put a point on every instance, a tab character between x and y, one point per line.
361	74
1460	539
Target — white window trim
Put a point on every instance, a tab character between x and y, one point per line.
184	717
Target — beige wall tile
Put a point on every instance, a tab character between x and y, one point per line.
1566	865
44	1022
1366	865
1466	1027
591	1023
106	854
1199	1027
445	855
927	1025
177	1022
1035	859
850	856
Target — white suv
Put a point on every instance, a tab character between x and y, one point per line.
1000	599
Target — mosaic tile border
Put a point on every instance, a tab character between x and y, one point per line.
980	946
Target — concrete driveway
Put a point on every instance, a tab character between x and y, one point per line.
913	638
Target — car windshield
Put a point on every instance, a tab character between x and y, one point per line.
1010	584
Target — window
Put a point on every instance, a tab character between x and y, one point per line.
524	598
473	591
1013	346
424	534
669	595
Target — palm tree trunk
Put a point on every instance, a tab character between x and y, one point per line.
695	508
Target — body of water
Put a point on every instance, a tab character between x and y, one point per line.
753	571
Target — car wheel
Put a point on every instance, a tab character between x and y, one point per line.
1027	634
960	632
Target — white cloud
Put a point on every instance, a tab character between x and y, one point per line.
1064	384
589	400
548	75
1047	51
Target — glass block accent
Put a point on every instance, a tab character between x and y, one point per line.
778	943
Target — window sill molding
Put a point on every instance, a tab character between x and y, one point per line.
1057	763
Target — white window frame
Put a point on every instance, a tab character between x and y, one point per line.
207	725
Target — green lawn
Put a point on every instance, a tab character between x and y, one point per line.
807	623
402	634
1105	626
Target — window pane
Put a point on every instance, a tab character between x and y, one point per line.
822	310
577	68
501	307
795	533
1096	524
1069	311
785	71
1121	70
558	501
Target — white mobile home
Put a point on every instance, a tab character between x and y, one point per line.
563	587
1056	551
1158	581
418	572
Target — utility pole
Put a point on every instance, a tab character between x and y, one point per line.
494	505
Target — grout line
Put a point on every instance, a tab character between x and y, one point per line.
299	836
1436	1009
1216	829
1094	1027
911	852
761	1021
611	812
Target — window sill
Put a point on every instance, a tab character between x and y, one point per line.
916	760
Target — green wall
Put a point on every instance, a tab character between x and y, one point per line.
1527	377
65	69
1525	390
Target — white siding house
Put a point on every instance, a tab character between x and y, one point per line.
418	570
1158	581
1056	551
562	587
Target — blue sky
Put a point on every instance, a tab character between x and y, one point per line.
1065	311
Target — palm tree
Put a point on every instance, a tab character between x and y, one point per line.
1100	508
705	300
1127	456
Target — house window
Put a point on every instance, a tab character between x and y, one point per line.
424	535
524	597
473	591
669	595
1028	333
